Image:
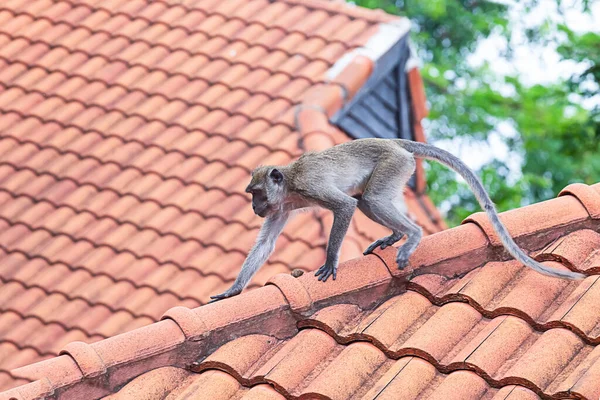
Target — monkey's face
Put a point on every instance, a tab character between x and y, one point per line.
268	190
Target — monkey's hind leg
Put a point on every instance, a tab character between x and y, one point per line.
389	214
383	202
414	234
383	242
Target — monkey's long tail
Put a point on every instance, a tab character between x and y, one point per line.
427	151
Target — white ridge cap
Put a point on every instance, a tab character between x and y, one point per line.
380	43
413	60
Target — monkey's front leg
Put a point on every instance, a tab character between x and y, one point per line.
342	216
260	252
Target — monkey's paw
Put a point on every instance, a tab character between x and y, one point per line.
402	260
229	293
326	271
383	243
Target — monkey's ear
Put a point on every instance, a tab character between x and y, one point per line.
276	175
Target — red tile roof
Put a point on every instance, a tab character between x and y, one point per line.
127	133
470	324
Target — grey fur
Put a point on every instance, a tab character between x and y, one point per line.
260	252
366	173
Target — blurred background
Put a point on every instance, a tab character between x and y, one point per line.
513	89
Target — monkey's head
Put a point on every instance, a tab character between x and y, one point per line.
268	190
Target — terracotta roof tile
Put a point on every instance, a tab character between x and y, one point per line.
127	131
491	329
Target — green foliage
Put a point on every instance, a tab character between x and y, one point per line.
557	139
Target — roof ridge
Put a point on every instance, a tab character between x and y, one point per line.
276	308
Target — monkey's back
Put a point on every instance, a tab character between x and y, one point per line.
346	166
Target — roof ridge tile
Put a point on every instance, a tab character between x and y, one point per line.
452	252
294	292
482	221
310	118
320	102
317	140
189	322
326	97
532	220
59	371
588	196
354	75
88	360
353	285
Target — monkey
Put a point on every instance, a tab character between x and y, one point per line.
368	174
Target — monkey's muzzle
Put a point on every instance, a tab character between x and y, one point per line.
260	211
